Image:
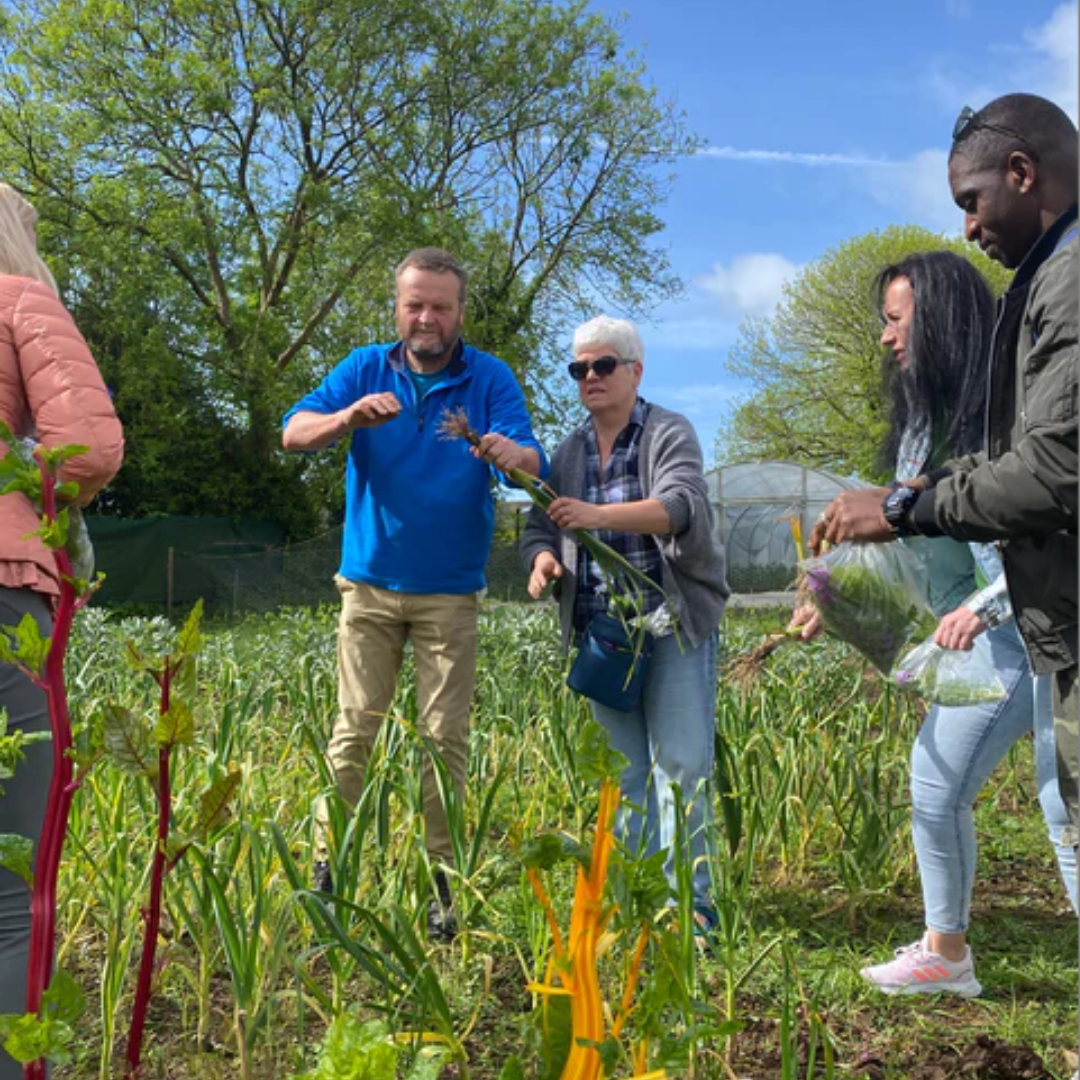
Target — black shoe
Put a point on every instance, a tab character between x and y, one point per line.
321	879
442	924
441	920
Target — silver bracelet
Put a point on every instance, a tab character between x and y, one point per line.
992	608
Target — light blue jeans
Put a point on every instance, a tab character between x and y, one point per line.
956	751
668	739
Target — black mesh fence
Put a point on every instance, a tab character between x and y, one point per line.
237	566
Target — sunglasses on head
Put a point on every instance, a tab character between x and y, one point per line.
967	123
601	366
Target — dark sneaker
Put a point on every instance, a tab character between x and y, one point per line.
321	879
441	920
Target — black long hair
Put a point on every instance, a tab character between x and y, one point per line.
944	384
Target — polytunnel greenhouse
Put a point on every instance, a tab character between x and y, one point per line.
754	503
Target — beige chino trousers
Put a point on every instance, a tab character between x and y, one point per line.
373	628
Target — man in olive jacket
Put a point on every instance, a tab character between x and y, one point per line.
1013	172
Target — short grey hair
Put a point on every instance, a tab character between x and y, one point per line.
436	260
621	334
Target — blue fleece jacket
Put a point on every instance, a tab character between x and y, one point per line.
419	509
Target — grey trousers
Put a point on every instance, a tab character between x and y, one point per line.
1067	736
22	809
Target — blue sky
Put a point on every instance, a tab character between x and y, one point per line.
822	122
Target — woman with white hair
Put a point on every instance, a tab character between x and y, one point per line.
632	473
50	392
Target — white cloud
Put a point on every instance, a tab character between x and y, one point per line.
1044	62
951	90
750	285
789	157
1054	69
916	188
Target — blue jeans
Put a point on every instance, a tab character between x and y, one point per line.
954	754
668	739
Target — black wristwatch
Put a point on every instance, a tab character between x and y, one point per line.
897	508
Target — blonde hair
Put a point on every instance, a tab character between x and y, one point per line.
18	245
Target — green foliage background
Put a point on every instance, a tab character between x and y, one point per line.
815	365
225	188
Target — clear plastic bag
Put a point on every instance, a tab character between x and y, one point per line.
872	597
949	676
79	545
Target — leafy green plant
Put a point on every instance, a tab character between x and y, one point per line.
252	919
16	852
364	1050
786	826
593	1038
145	747
33	471
49	1033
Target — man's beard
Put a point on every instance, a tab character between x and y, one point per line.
428	352
423	350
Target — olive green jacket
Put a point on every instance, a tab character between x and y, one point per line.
1023	490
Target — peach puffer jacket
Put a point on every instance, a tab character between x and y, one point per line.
50	390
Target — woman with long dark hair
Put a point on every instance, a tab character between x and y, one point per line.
938	316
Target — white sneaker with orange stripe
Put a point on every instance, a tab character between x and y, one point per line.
917	970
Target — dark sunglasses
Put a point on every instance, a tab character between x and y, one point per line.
966	124
601	366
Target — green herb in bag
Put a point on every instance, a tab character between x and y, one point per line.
949	676
870	596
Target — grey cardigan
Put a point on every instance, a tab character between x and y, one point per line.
672	472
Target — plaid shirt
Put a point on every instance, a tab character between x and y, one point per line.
619	482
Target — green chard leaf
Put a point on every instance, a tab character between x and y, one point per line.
214	803
126	739
596	760
64	999
175	727
190	640
27	646
17	854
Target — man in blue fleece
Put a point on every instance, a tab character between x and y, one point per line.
419	519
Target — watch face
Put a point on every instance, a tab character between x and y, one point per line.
897	503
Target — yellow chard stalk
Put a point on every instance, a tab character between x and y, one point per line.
575	964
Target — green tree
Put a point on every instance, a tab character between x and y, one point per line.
230	184
815	365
